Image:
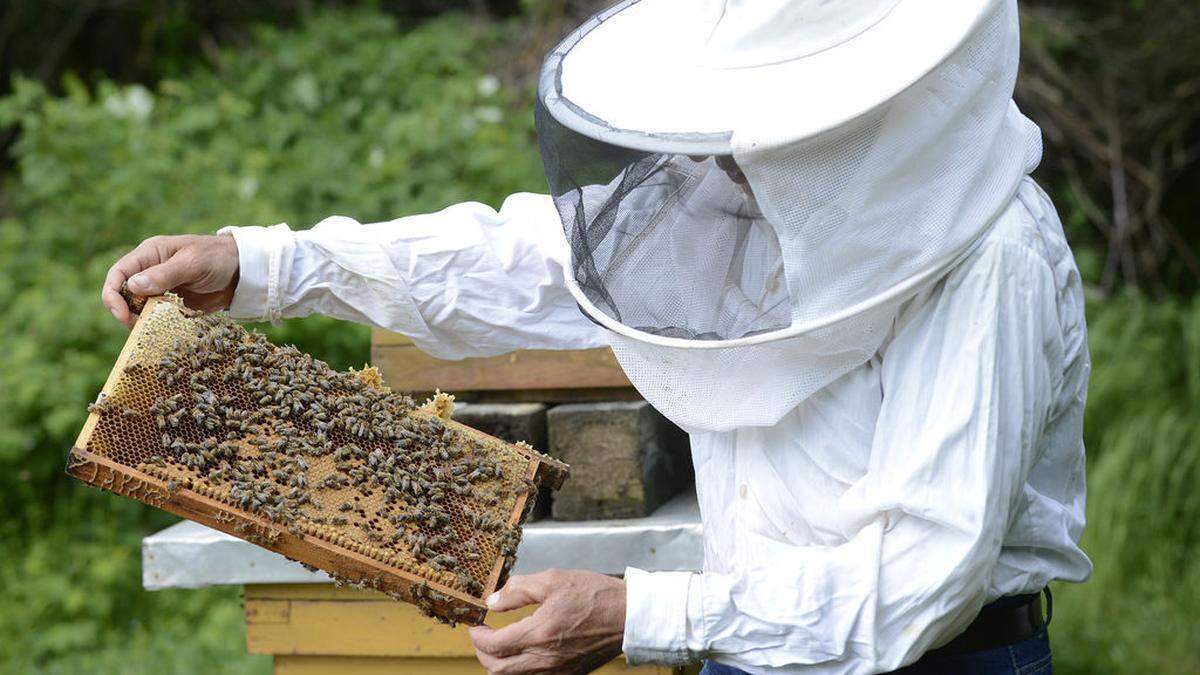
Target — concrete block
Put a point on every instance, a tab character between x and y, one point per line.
626	459
510	422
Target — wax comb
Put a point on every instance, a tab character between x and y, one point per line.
208	421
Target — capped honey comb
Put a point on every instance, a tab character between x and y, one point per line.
206	420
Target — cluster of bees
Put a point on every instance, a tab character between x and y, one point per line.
283	436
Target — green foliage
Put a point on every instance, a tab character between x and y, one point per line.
1137	613
348	115
72	592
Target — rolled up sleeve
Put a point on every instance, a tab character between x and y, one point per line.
260	261
656	606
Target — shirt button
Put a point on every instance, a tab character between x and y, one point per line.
742	490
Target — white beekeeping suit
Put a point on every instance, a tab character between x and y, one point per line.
807	231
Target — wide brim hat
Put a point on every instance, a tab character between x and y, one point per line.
685	75
752	191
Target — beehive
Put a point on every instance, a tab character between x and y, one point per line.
213	423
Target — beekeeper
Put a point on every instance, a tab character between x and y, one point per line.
807	231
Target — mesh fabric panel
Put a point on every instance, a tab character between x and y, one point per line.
667	244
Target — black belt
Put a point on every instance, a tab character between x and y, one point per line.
1004	622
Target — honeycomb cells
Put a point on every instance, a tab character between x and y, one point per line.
205	405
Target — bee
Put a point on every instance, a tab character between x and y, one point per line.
468	582
530	487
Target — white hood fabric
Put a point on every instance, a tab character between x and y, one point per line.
712	294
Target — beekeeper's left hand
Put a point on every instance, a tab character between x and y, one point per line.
577	627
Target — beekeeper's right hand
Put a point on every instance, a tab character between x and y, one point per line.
202	269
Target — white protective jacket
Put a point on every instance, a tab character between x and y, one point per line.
870	523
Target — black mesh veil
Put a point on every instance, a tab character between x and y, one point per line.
668	244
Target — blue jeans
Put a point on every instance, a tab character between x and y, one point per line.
1028	657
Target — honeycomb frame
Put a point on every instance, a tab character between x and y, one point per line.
336	548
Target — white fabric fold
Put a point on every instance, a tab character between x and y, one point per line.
656	615
264	258
874	521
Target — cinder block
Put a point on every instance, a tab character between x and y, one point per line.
511	422
626	459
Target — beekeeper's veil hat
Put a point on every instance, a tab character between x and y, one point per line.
751	188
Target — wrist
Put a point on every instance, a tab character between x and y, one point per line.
229	253
263	257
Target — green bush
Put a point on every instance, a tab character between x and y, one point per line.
348	115
73	594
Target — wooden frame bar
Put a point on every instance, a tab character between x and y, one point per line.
536	375
305	542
